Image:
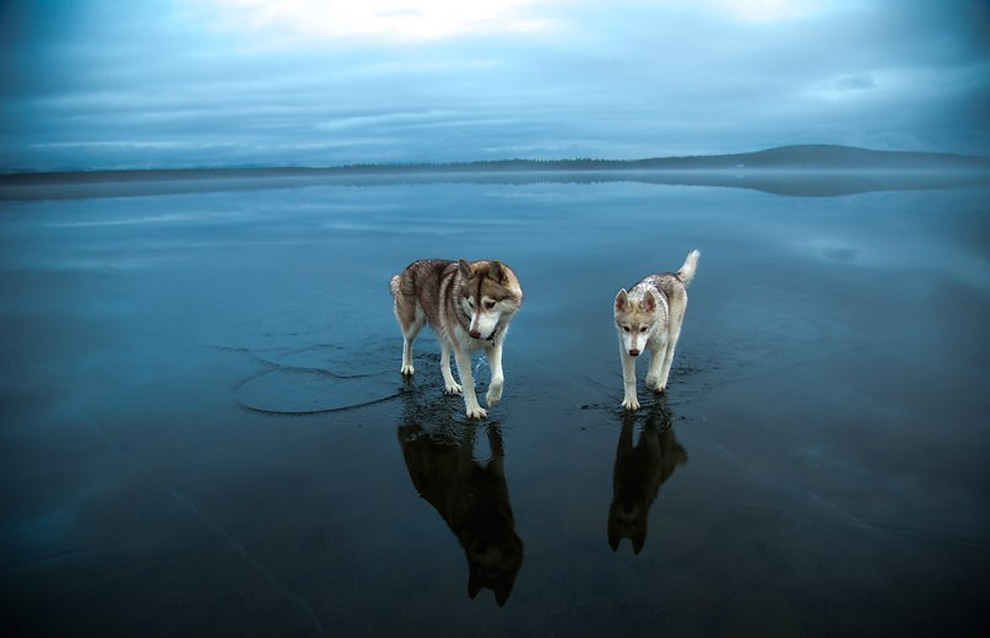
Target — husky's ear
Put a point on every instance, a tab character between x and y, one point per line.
502	590
464	267
496	272
650	301
613	538
621	300
474	582
638	540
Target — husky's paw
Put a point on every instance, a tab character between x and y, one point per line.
631	403
494	394
453	388
652	382
659	389
477	412
408	371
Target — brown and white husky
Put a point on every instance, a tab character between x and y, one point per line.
472	497
468	306
650	315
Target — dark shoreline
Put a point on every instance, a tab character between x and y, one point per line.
817	170
814	182
809	157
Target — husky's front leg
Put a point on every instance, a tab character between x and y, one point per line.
449	385
656	379
629	400
494	353
463	358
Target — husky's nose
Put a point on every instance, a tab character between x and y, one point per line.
475	334
634	352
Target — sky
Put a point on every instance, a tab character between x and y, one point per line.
111	84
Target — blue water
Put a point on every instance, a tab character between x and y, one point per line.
205	431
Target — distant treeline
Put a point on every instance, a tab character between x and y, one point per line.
815	157
819	156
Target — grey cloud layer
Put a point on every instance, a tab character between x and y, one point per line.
91	85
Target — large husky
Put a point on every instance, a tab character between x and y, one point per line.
469	306
473	499
649	315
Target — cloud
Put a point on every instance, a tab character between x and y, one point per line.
317	20
97	83
859	82
769	10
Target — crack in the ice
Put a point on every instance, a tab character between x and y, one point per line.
219	531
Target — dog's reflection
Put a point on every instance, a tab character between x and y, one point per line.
471	496
640	470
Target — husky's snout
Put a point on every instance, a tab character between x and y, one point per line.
475	329
483	326
634	352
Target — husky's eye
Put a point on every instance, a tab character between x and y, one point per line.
643	329
625	328
489	304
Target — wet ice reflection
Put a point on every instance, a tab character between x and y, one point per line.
640	470
470	495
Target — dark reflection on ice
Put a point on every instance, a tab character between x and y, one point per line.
287	391
640	470
337	361
312	380
471	496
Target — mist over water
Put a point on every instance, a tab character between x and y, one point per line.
205	431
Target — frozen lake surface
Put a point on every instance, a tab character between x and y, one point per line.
205	432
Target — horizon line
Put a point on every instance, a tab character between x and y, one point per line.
433	164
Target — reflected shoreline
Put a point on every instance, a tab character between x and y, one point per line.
779	181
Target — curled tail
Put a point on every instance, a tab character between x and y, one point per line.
686	272
393	285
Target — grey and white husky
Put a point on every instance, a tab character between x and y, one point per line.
650	315
468	306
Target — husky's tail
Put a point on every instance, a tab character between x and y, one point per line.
686	272
393	285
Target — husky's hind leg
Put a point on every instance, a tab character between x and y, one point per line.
676	321
410	328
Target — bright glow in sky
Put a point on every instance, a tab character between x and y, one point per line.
168	83
394	19
770	10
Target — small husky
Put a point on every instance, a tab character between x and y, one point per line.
649	315
469	306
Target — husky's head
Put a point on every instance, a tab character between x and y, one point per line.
489	294
628	518
636	319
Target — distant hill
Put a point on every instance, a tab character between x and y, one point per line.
802	157
832	157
